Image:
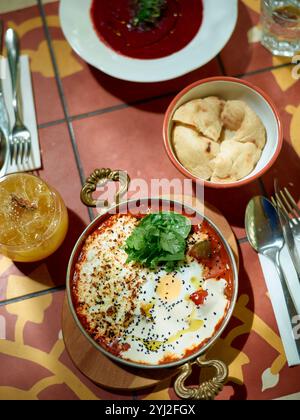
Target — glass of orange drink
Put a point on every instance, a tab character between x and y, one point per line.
33	218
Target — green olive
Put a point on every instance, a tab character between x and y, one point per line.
202	249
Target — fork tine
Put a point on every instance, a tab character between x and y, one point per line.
288	205
22	151
282	206
12	151
17	146
292	201
28	152
274	202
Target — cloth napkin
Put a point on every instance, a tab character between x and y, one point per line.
278	301
28	112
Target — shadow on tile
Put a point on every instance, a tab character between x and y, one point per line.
132	93
237	54
286	169
232	203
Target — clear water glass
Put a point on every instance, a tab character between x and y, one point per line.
280	21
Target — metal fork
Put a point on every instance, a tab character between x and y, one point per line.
20	142
290	208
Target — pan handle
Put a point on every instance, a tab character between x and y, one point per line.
99	178
207	390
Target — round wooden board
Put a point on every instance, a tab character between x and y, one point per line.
100	369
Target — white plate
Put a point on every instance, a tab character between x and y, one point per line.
219	21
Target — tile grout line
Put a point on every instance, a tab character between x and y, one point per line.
264	70
221	65
62	97
121	106
51	123
32	295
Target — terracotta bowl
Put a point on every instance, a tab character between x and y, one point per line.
230	88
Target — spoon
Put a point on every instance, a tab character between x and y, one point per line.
265	235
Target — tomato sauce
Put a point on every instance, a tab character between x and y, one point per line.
177	27
218	265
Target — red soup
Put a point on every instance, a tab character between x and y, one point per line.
179	23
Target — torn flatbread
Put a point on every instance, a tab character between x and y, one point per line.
204	115
194	151
239	117
235	161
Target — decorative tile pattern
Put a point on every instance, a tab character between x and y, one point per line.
106	120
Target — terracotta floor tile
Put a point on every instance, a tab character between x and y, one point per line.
43	371
287	178
61	172
232	203
252	283
283	90
131	139
88	89
29	26
241	56
59	166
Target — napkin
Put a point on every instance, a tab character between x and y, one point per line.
278	301
28	112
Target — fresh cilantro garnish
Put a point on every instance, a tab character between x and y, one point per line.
160	238
147	12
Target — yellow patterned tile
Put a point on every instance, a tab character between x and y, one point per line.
11	5
38	280
253	5
283	76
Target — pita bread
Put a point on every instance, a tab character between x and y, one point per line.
239	117
204	115
218	140
235	161
194	151
233	115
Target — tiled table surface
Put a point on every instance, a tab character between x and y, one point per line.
88	120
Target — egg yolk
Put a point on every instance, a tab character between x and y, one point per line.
169	288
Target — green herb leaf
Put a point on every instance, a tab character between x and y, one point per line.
159	238
148	12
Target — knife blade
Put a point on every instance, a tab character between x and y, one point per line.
288	236
4	118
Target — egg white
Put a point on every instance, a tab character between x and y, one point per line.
170	320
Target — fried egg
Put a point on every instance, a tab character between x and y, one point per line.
144	316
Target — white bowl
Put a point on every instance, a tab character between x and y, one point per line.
219	21
230	88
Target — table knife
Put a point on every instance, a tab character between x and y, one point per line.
4	119
289	238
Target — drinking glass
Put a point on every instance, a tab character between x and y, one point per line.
280	21
33	218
